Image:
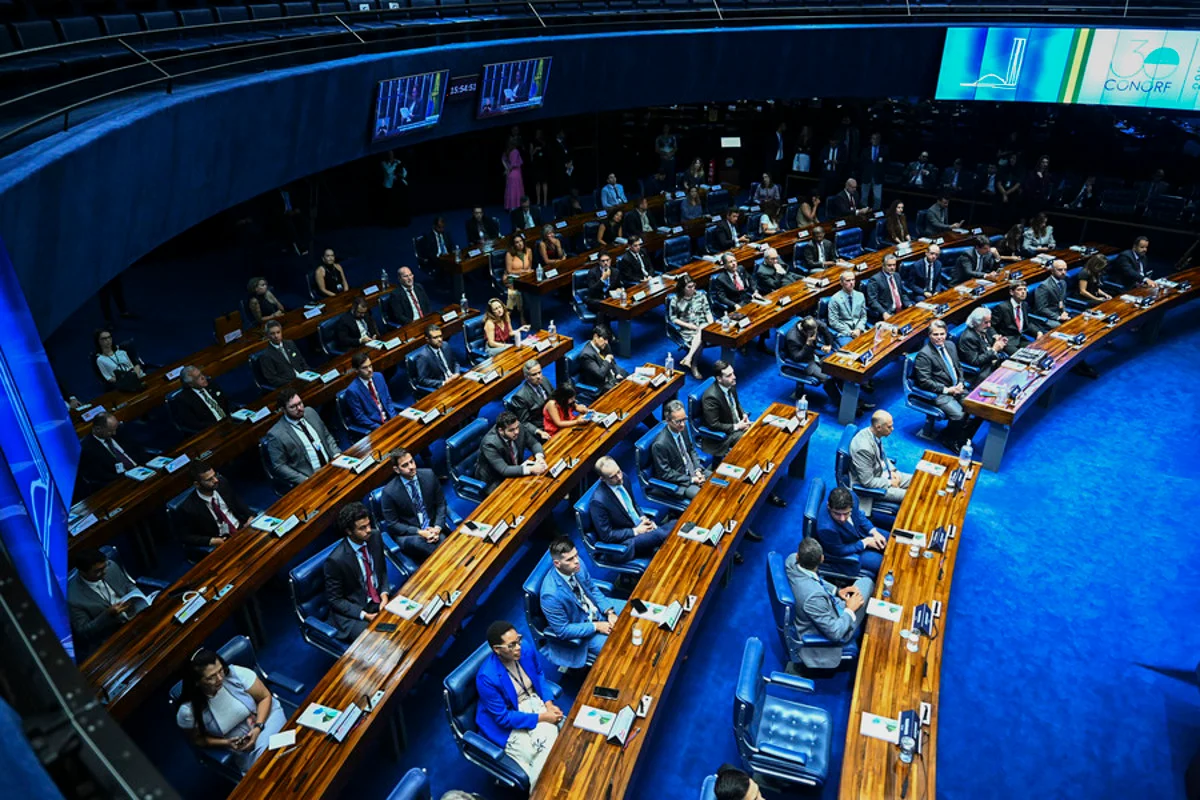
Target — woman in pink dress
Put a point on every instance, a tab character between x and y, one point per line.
514	186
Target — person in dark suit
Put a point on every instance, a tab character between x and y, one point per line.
600	279
635	265
355	327
525	216
356	576
820	253
213	511
93	593
733	784
980	345
885	292
1015	321
808	342
436	243
436	363
413	507
103	457
409	301
502	452
732	287
616	517
936	369
1050	296
773	272
201	403
576	611
834	162
981	261
845	532
481	228
368	400
530	397
922	279
722	410
871	170
937	219
725	235
597	366
674	458
1129	268
280	360
845	203
641	220
776	160
299	443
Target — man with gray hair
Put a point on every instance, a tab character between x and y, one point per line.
980	345
936	369
869	464
674	457
530	396
200	403
772	273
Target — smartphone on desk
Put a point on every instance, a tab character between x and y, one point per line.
386	627
606	692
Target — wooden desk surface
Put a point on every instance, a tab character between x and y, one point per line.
845	364
126	501
581	764
147	649
217	359
890	679
802	297
1000	410
393	661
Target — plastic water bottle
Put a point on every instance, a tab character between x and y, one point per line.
458	255
516	337
669	362
725	322
383	279
888	581
553	331
802	406
964	455
541	273
462	302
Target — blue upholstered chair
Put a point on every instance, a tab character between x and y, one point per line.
920	400
873	500
587	392
278	485
341	402
538	626
616	557
793	370
461	698
695	413
922	221
579	298
708	790
717	201
677	252
413	786
239	651
849	242
461	451
783	610
710	241
146	584
326	338
374	503
783	744
836	570
476	341
191	552
657	491
590	229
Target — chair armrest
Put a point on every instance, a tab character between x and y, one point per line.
712	434
151	584
474	483
554	689
792	681
782	753
617	552
816	640
603	586
476	742
285	682
321	626
663	486
869	491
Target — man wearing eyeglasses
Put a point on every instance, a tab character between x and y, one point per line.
299	444
577	612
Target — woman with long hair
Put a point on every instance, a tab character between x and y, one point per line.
262	303
1011	247
111	360
611	228
518	261
539	169
688	311
514	184
692	206
807	215
497	327
1039	236
550	250
1089	287
895	225
561	410
695	176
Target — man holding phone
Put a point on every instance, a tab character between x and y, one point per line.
836	614
356	577
576	611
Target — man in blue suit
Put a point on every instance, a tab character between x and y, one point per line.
436	363
846	534
367	398
525	724
577	612
616	517
413	507
922	279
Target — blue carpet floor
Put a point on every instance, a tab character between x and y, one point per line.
1067	631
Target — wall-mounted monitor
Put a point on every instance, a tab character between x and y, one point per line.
731	141
513	86
405	104
1094	66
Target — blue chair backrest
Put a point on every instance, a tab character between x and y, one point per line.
910	386
783	601
677	251
849	242
710	242
410	368
753	221
172	399
413	786
121	24
717	201
823	310
460	694
496	265
812	506
694	405
476	341
579	300
672	211
841	462
77	29
590	229
708	791
531	590
642	449
463	447
748	695
307	582
325	336
583	517
922	220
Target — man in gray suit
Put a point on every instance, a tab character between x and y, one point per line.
299	444
869	464
92	599
674	457
936	369
937	219
847	311
836	614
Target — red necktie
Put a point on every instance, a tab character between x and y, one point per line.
375	397
737	281
222	517
372	592
1020	321
891	279
416	305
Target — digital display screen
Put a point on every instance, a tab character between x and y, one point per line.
1093	66
513	86
405	104
731	141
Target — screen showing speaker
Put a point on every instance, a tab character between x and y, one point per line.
1093	66
409	103
513	86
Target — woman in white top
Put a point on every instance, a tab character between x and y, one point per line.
768	223
236	712
1039	236
110	360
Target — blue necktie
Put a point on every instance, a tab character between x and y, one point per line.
949	364
414	494
627	502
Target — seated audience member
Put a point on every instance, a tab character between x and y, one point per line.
117	367
980	345
299	443
356	575
550	251
989	184
597	366
409	301
514	711
806	215
847	310
611	230
725	234
201	403
820	253
694	176
436	363
227	707
1091	280
732	287
368	399
502	452
920	173
772	272
885	292
1050	296
329	276
518	261
281	359
413	507
1039	236
936	369
576	611
94	599
525	216
1129	268
674	457
808	342
937	219
562	410
659	183
261	301
1014	320
845	202
895	224
768	223
869	462
436	243
845	533
615	515
103	457
355	327
822	608
640	221
600	280
766	195
922	278
613	193
635	266
212	511
531	396
981	261
953	177
1087	198
481	228
498	328
688	310
1012	246
692	206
